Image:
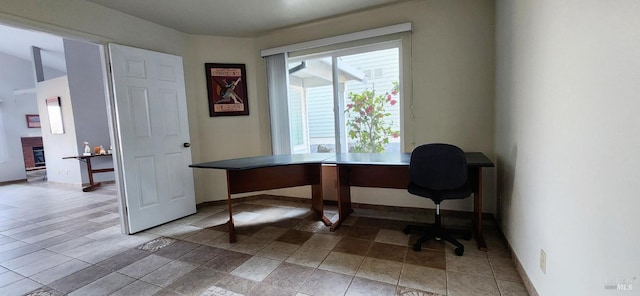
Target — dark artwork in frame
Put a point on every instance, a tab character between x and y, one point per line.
227	89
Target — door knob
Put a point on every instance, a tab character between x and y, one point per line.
186	145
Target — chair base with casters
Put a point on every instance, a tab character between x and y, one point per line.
437	232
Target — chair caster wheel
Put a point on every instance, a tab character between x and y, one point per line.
459	251
417	247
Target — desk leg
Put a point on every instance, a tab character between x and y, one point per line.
317	199
477	213
232	229
317	205
92	185
344	196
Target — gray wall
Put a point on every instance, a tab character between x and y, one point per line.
87	88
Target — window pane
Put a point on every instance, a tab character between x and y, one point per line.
372	106
365	90
321	119
314	78
296	121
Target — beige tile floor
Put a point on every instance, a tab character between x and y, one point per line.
58	241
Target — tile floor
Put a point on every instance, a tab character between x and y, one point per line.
61	241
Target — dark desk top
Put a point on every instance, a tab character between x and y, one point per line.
248	163
478	159
474	159
85	156
400	159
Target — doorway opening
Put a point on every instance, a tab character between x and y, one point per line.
40	66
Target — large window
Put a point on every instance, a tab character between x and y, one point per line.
345	100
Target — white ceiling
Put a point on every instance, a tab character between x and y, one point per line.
237	18
18	42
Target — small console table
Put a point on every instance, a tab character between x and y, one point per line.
87	159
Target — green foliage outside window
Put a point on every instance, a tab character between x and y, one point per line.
366	122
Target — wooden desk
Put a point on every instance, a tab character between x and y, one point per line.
392	171
272	172
354	169
87	159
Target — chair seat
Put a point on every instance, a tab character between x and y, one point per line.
439	195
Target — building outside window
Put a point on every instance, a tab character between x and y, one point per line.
346	100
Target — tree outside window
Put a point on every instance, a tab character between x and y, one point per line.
368	121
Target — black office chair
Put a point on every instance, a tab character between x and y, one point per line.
438	172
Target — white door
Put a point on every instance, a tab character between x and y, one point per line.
153	134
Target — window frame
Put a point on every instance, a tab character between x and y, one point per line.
305	120
277	79
340	133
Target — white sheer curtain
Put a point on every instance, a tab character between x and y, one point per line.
278	85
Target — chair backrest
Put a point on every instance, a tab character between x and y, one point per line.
438	166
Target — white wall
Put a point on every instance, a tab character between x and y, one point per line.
17	74
57	146
82	19
20	75
567	143
13	109
227	136
12	115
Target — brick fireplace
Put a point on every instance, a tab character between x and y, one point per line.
33	152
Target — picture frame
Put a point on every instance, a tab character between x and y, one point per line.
55	115
227	89
33	120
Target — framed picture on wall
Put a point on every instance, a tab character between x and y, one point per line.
33	120
227	89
